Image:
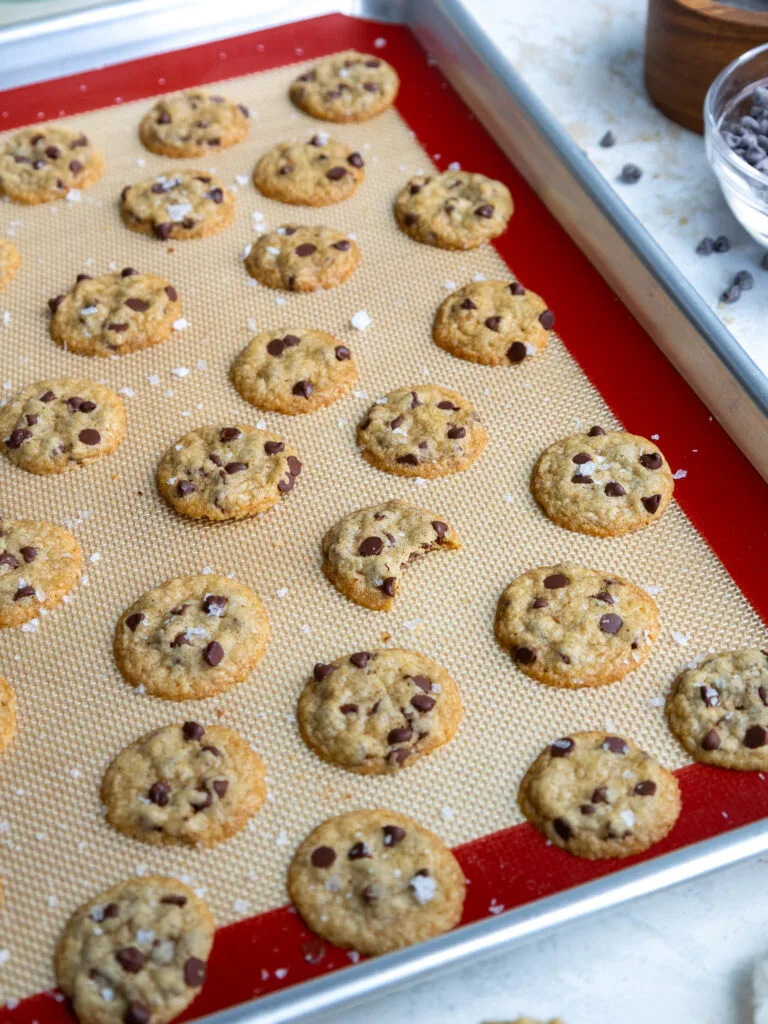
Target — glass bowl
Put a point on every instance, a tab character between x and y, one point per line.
745	189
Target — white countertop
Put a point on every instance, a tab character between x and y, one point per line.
681	957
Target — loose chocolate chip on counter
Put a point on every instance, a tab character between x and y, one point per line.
615	744
194	972
556	581
360	659
645	788
608	140
706	246
322	856
370	546
610	623
561	747
193	731
294	466
744	280
630	174
213	653
731	294
722	243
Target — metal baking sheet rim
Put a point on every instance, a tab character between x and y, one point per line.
660	297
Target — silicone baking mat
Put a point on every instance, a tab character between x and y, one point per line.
75	712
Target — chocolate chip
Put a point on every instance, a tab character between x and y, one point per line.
600	795
595	432
423	703
608	140
710	696
355	160
130	959
185	487
213	653
117	328
454	433
516	288
305	249
652	503
361	659
342	353
763	693
448	405
220	787
580	478
562	829
163	231
342	245
53	304
215	194
322	856
302	388
89	437
414	189
547	319
370	895
158	188
159	793
194	972
137	305
370	546
214	604
320	671
422	682
129	272
75	166
286	486
181	640
516	352
755	737
651	460
399	735
294	466
171	292
605	597
614	489
556	581
22	592
486	210
243	110
615	744
6	558
469	304
645	788
336	173
137	1013
493	323
410	219
630	174
524	655
407	460
705	246
722	243
348	709
134	621
229	434
359	851
711	741
610	623
388	586
31	420
440	528
49	396
175	900
52	152
744	280
415	401
273	447
587	809
18	437
562	747
193	731
540	602
393	834
371	87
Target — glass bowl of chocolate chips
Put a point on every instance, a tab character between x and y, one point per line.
736	136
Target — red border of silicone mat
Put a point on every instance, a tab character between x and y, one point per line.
722	494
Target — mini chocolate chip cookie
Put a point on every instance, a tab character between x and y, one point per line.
597	796
603	484
302	259
367	552
425	431
185	784
718	710
496	323
10	261
178	205
227	472
135	954
571	627
293	371
193	123
349	86
114	314
375	712
314	173
191	637
375	881
7	710
43	163
453	210
39	565
55	425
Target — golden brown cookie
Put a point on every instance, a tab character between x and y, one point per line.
348	86
55	425
227	472
178	205
114	314
293	371
39	565
597	795
496	323
10	261
185	784
367	552
375	881
193	123
191	637
425	431
718	709
314	173
453	210
135	954
44	162
376	712
302	259
7	711
569	626
603	484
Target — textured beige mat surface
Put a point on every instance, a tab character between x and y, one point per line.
75	712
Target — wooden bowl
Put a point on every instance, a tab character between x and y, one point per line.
687	44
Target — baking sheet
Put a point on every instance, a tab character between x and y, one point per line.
75	712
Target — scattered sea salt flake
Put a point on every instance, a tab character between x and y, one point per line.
153	379
680	638
5	956
479	277
380	42
246	250
74	195
273	250
656	702
651	588
494	907
128	392
354	956
361	320
424	887
31	627
680	474
181	324
261	424
628	817
240	906
280	300
89	310
95	557
145	936
654	437
282	591
180	371
447	813
449	285
412	624
241	179
281	972
178	211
